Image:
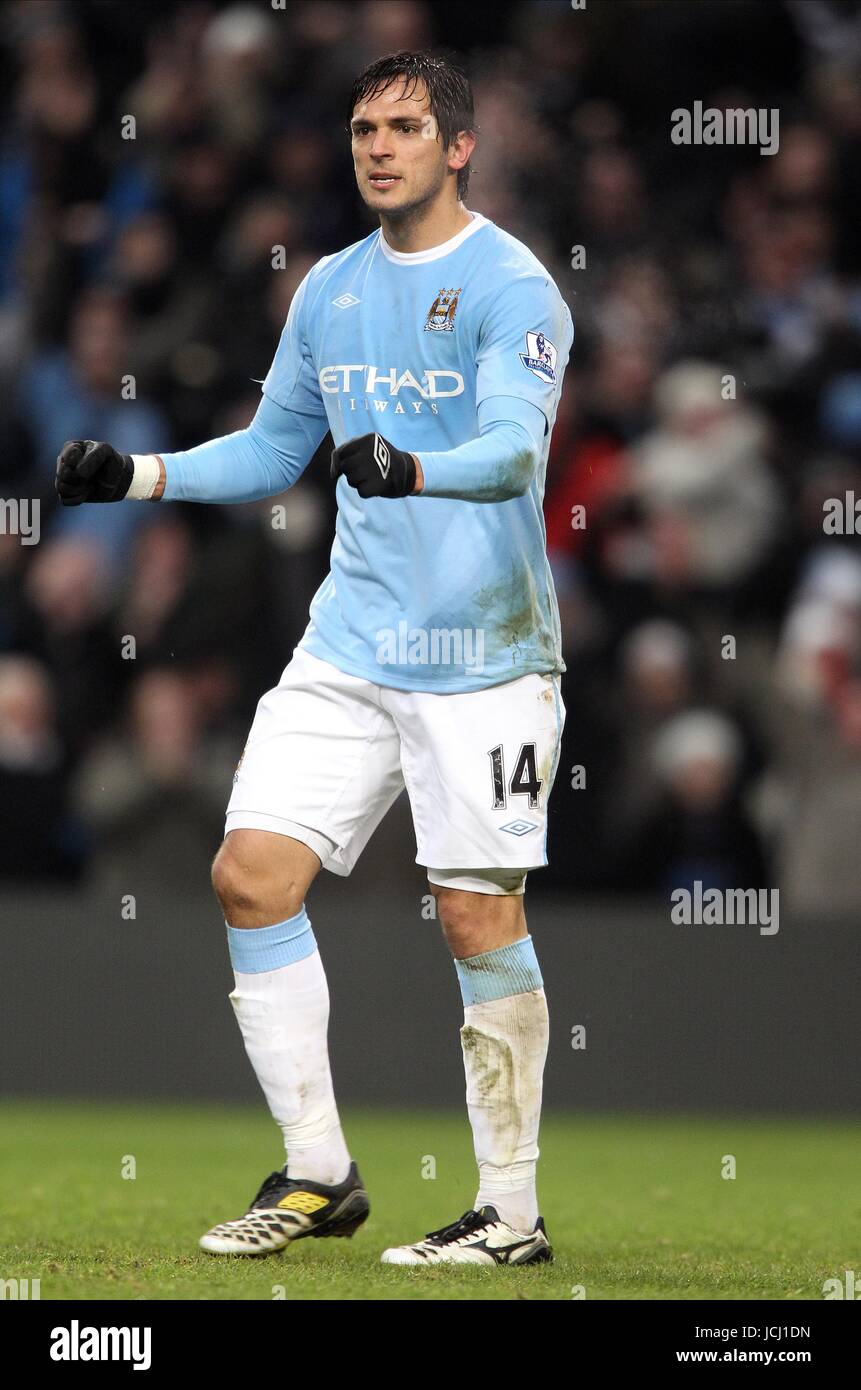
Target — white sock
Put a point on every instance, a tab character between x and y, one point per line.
283	1015
504	1044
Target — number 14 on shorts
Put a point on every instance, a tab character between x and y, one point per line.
524	780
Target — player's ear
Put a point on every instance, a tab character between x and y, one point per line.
460	150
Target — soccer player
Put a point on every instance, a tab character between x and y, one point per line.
433	350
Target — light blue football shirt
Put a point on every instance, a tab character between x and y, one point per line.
428	592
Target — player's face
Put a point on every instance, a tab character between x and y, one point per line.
399	161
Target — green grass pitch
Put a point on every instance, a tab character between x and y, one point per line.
636	1208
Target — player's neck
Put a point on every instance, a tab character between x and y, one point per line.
425	228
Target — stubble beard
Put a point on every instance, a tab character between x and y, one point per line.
414	209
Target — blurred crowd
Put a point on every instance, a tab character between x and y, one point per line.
152	157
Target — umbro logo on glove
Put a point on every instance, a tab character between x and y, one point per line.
374	467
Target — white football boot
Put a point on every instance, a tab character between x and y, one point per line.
478	1238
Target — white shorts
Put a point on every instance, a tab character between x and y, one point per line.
328	754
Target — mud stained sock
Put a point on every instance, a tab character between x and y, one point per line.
504	1041
281	1002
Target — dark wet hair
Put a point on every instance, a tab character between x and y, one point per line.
448	90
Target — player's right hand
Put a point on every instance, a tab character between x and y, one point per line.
88	471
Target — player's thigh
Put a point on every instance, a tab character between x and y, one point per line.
479	767
321	763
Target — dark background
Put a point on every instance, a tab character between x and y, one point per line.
677	1017
153	257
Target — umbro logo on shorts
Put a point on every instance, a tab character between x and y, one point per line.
520	827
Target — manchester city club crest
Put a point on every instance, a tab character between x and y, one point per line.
441	315
540	356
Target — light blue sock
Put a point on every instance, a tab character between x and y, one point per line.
496	974
254	950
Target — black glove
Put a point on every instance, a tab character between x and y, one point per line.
374	467
91	472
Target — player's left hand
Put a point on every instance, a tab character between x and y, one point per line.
89	470
374	467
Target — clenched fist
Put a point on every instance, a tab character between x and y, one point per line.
88	471
374	467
